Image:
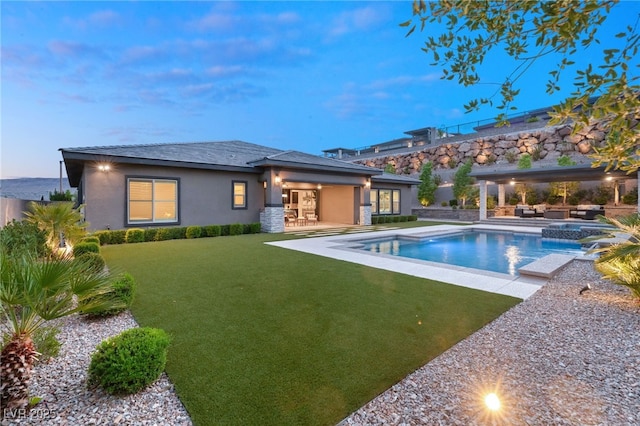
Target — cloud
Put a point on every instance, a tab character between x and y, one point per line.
403	81
101	18
357	20
221	71
73	49
221	21
140	134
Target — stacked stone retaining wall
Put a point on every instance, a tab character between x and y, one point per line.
544	143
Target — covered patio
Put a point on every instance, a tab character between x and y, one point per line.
579	173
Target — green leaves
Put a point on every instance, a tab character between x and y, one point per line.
527	31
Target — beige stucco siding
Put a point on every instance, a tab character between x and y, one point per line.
336	204
205	196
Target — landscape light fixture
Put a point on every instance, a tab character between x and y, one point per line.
492	401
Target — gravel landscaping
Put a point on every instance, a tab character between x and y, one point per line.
559	358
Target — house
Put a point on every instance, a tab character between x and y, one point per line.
226	182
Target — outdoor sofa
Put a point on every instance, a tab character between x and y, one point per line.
586	211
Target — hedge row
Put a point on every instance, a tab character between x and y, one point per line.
392	219
139	235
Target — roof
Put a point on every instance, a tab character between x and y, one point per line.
581	172
225	155
391	178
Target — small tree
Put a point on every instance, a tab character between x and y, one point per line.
428	186
564	189
524	162
462	182
60	196
390	168
59	220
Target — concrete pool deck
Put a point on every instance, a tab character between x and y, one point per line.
337	247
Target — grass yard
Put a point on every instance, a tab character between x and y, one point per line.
264	335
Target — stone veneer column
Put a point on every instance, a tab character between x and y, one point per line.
483	199
365	215
272	219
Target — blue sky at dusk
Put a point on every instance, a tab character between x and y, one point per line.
306	76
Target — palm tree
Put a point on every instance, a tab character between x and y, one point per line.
620	261
59	220
33	291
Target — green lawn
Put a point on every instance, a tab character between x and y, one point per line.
269	336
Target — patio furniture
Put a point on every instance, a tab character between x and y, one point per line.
586	211
312	219
556	214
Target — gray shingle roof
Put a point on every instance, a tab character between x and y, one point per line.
390	177
228	153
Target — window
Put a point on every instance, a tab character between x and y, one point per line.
395	197
374	201
385	201
239	194
152	200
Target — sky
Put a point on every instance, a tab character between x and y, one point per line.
304	76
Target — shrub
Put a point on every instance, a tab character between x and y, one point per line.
404	218
82	248
510	156
150	234
396	219
90	239
444	204
413	218
255	228
236	229
91	261
565	160
123	291
224	230
118	236
134	235
178	233
631	197
103	236
61	196
453	202
130	361
23	237
374	220
194	232
536	153
212	230
163	234
524	162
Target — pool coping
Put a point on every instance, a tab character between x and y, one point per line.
337	247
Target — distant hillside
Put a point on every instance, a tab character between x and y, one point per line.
32	188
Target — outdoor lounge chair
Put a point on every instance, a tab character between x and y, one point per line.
312	219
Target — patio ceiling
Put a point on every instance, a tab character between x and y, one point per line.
581	172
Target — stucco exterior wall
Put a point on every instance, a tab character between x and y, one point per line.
406	195
204	196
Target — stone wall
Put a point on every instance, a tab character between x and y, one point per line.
544	143
467	215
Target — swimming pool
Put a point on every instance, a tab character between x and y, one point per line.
502	252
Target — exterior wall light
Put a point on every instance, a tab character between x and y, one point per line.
368	183
319	186
278	180
104	167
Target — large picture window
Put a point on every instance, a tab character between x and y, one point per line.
152	200
385	201
239	194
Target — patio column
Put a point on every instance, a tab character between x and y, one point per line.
483	199
365	204
272	217
501	195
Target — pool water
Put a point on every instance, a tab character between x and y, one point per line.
502	252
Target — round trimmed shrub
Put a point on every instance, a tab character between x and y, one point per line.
103	236
90	239
127	363
236	229
134	235
212	230
82	248
194	232
91	261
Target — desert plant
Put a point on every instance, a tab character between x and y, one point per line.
390	168
491	159
22	237
510	156
130	361
134	235
33	291
536	153
82	248
59	220
564	160
620	262
123	289
193	232
524	162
